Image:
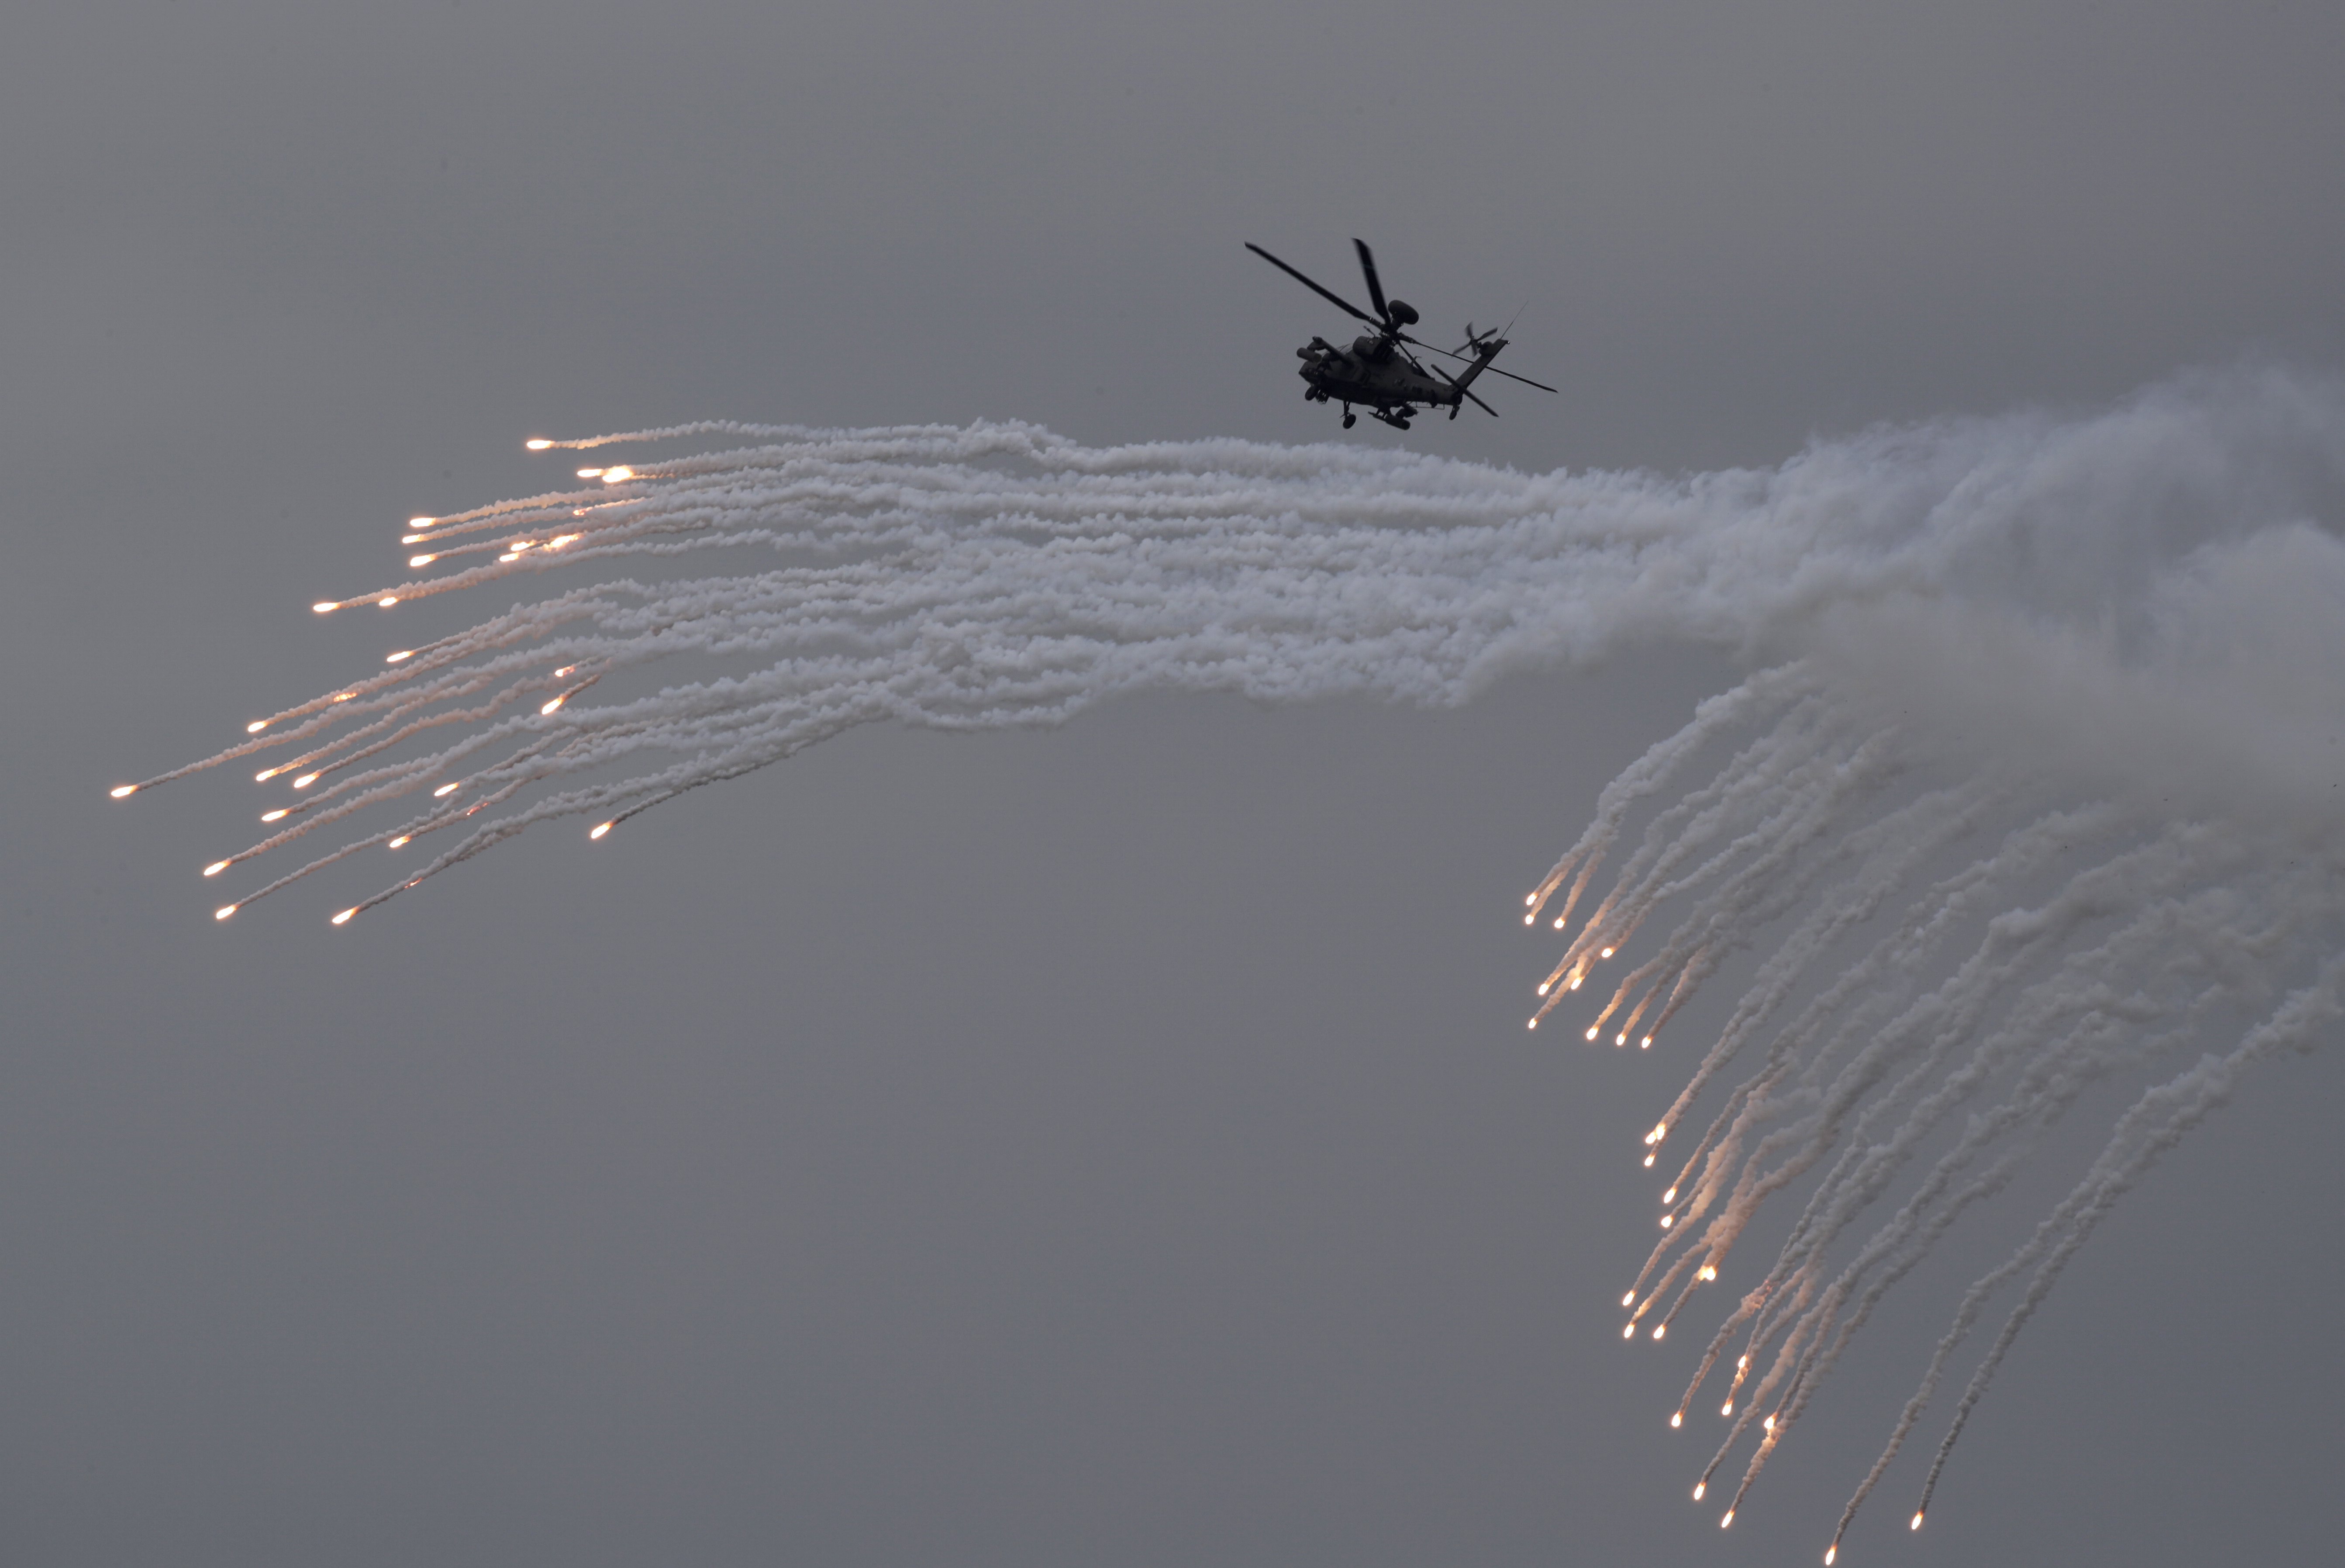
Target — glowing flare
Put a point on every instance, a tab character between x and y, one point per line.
224	911
1574	982
1726	1409
1648	1044
421	560
264	775
305	781
1591	1034
410	539
1707	1273
344	696
1659	1132
1741	1363
1668	1220
1628	1331
395	658
1529	899
548	707
1621	1041
277	815
1830	1553
1677	1418
1629	1300
327	604
123	792
214	868
1559	922
537	443
1699	1488
1728	1519
421	521
559	540
563	671
599	830
619	475
1528	918
590	473
446	789
1608	953
1649	1162
1532	1024
387	601
1659	1329
1769	1423
255	727
344	916
1670	1196
396	842
1917	1523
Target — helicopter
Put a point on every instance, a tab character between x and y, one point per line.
1376	371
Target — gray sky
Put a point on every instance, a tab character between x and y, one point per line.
1114	1145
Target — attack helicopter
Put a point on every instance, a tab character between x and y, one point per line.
1378	371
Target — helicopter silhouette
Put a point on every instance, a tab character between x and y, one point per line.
1378	371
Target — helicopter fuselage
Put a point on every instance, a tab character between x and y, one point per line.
1369	373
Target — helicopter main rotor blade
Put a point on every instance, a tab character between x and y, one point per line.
1526	380
1328	295
1489	370
1376	285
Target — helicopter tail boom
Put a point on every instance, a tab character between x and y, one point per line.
1486	351
1460	396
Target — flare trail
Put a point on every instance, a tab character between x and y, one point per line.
2031	790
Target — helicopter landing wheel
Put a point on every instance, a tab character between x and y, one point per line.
1350	418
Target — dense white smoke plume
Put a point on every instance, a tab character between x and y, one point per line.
2035	783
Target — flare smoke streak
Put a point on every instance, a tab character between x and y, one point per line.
2032	788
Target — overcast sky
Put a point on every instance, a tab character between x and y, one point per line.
1117	1145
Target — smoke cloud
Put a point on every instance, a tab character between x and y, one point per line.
2035	785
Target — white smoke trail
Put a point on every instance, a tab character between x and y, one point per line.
2105	641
